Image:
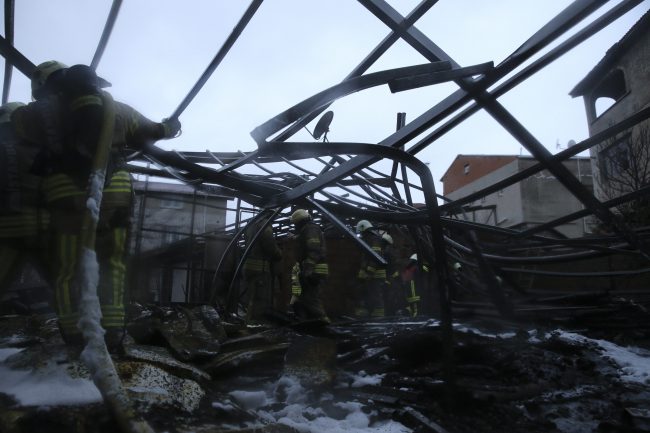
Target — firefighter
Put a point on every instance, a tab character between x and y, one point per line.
258	268
65	118
392	289
371	275
311	255
416	278
23	220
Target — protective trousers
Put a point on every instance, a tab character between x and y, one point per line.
259	286
309	304
371	293
22	237
66	202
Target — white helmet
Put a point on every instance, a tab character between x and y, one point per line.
414	257
388	238
299	215
363	225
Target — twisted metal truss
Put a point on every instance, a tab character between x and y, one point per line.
347	186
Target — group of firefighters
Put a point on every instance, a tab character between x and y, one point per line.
379	288
48	151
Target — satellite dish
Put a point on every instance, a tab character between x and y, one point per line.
323	124
571	143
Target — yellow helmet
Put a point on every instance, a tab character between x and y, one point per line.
7	109
299	215
41	74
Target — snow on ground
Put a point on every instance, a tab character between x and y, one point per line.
51	386
634	362
287	402
363	379
6	352
465	329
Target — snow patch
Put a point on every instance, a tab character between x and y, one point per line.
287	402
250	399
51	386
634	362
7	352
363	379
462	328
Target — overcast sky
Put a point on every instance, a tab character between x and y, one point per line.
294	48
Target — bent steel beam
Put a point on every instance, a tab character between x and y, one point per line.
106	34
445	107
16	58
227	45
569	17
347	87
576	39
9	33
560	156
439	256
362	67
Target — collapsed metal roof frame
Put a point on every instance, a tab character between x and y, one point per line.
350	163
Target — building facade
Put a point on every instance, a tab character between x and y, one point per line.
616	88
533	201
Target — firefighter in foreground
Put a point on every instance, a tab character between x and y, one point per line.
311	256
65	120
258	268
372	276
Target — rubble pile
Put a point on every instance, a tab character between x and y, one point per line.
187	370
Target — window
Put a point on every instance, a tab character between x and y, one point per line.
171	204
615	159
466	168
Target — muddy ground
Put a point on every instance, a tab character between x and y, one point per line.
506	378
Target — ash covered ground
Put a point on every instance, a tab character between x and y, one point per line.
353	376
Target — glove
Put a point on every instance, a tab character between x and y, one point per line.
172	127
293	300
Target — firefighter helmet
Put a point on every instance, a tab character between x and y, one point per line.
42	73
388	238
363	225
414	257
7	109
300	215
